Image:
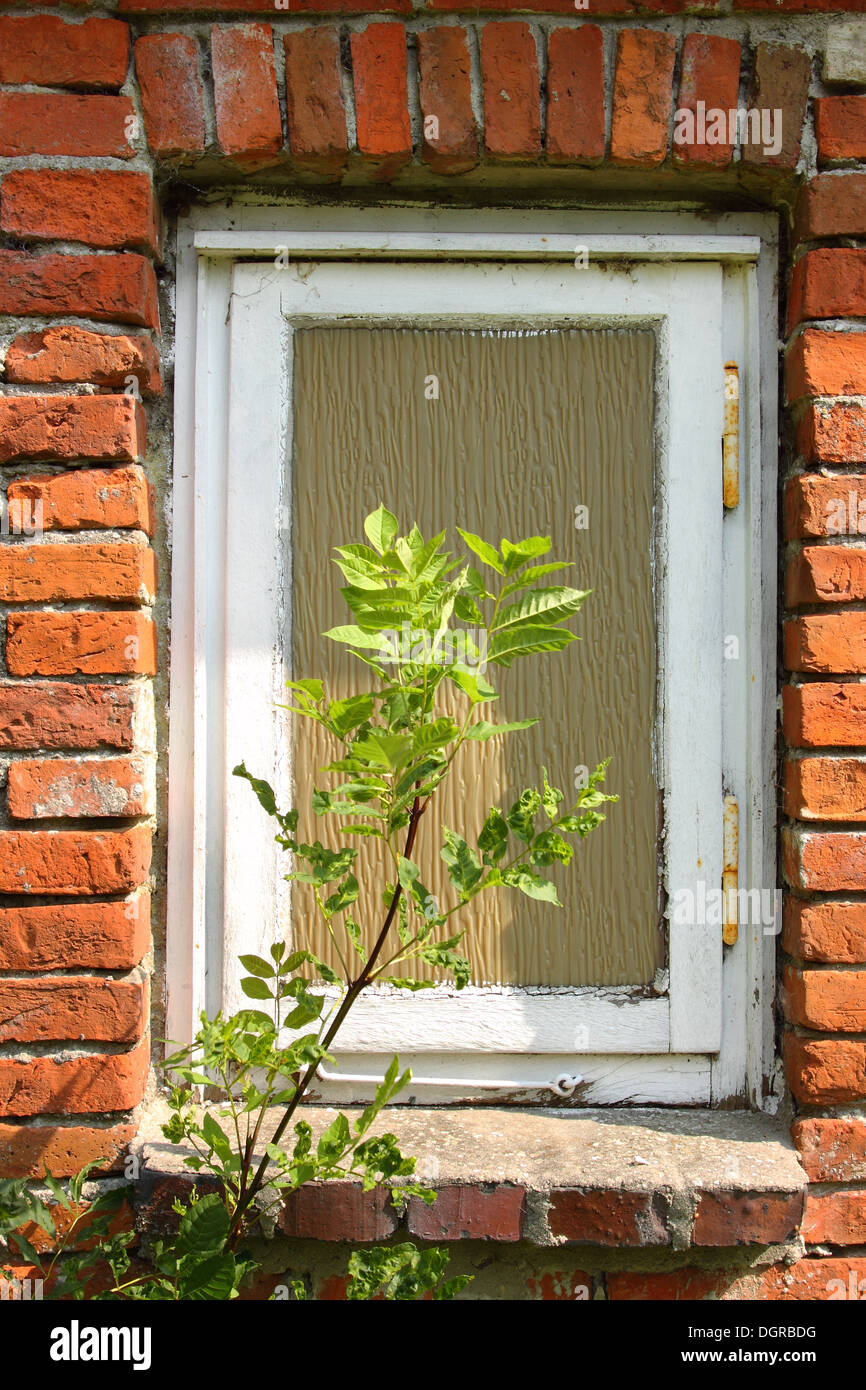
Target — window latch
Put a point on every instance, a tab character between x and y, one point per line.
730	871
731	437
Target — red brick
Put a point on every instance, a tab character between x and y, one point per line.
679	1285
835	1218
300	7
82	1085
27	1150
314	99
746	1218
598	1217
117	289
813	1281
74	863
58	714
830	1001
563	1286
75	936
86	643
829	644
825	574
629	8
826	789
379	67
575	95
840	124
88	499
828	283
832	1150
445	87
46	51
642	97
71	427
102	207
710	74
468	1213
43	123
64	1008
831	205
172	99
509	74
71	1228
830	862
825	1071
338	1211
833	432
782	77
39	789
824	715
71	354
248	122
826	364
825	931
48	573
816	505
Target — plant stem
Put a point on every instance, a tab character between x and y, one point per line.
351	995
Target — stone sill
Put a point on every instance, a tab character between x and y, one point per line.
678	1179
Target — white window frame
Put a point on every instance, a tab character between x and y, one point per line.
706	1035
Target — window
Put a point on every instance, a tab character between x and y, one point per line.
515	373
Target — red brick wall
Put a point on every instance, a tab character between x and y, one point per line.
102	120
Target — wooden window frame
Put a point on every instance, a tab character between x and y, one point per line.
706	1036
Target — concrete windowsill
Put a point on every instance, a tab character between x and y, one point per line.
624	1178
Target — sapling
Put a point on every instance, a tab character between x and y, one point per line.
394	747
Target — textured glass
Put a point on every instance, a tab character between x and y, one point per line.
528	426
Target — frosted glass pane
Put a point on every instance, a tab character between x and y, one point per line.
528	426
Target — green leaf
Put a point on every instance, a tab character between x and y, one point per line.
345	715
473	684
353	931
517	553
445	958
527	640
381	527
493	840
314	688
467	610
256	966
255	989
383	749
550	848
263	790
464	868
533	885
204	1228
551	798
334	1140
352	636
212	1279
483	730
436	734
534	572
483	550
346	893
520	817
546	606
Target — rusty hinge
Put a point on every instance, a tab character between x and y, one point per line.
730	871
731	437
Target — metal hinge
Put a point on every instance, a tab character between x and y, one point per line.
730	871
731	437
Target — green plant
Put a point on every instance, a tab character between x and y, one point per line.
395	747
